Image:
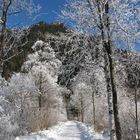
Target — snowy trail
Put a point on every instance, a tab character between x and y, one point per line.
71	130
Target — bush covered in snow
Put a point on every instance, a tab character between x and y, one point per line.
32	100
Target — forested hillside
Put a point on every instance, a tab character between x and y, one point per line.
89	73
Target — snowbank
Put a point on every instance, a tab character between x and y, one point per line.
50	134
57	133
88	132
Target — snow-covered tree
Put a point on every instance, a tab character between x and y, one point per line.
14	103
32	100
44	67
133	81
81	93
9	37
105	19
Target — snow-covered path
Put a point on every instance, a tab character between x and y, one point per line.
71	130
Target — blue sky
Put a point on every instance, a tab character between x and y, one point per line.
49	11
51	8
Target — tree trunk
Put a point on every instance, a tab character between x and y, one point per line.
4	12
93	106
21	115
67	104
115	100
106	42
82	109
108	48
3	30
110	104
40	90
40	101
136	113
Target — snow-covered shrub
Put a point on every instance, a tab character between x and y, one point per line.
32	101
15	104
7	126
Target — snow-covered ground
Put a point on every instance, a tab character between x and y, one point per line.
71	130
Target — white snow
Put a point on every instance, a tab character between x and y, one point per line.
70	130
